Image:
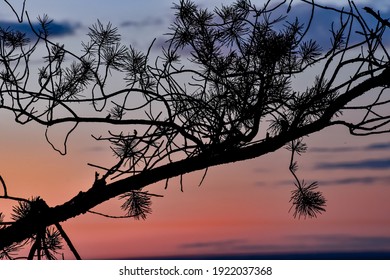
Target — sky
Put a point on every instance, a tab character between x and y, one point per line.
240	209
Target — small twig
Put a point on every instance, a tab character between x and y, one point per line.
20	19
109	171
150	194
203	177
4	186
109	216
292	165
166	183
65	140
97	166
377	16
34	247
67	240
15	198
113	169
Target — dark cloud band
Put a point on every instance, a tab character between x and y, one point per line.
363	164
55	29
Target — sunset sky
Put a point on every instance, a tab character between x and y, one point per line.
241	208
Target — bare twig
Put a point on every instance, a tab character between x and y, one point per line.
4	186
68	241
110	216
377	16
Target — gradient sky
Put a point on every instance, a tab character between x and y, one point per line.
240	208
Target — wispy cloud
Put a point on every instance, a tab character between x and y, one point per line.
234	245
55	28
369	180
366	180
334	149
371	147
260	170
378	146
383	163
346	242
223	244
332	246
261	184
143	23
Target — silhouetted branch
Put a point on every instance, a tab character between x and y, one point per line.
4	186
68	241
65	140
203	177
110	216
305	199
232	100
6	196
20	18
377	16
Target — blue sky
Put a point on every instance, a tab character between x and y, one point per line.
141	21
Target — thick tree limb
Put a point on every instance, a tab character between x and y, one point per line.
85	201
